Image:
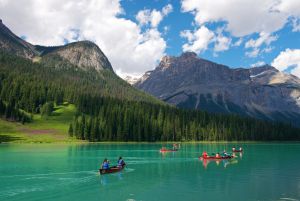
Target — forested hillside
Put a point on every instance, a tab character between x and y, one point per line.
112	119
27	85
108	109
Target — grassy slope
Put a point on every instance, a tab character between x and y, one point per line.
41	130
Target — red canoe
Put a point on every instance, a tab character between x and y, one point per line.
168	150
112	170
237	150
216	158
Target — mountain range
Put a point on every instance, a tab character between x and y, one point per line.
37	81
188	81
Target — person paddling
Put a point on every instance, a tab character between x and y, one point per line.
225	153
105	164
121	162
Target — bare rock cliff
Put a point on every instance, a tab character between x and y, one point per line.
191	82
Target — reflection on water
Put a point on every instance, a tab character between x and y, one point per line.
105	179
224	163
239	154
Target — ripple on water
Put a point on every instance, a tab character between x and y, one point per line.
290	199
11	193
45	182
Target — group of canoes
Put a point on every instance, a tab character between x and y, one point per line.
218	156
106	169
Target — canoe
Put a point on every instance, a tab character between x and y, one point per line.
237	151
113	169
216	158
168	150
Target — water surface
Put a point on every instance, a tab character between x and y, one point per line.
265	171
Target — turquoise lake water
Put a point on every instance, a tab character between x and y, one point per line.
70	172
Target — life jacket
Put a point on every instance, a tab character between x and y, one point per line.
105	165
120	162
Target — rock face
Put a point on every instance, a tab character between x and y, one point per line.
84	54
11	43
191	82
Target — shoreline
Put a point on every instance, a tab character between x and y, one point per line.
158	142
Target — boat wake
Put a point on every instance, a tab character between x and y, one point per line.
45	182
47	174
290	199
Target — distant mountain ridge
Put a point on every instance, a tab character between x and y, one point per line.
191	82
14	44
83	54
83	57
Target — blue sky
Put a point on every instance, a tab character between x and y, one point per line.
178	21
136	34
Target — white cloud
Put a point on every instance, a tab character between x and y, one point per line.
290	58
167	9
253	53
125	75
292	11
257	64
238	42
153	17
268	49
197	41
244	17
188	35
296	24
263	39
143	17
222	43
129	49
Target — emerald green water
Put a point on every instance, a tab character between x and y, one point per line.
70	172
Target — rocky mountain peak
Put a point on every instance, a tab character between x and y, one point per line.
192	82
260	69
187	55
84	54
165	62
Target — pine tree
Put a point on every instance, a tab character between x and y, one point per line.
70	130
